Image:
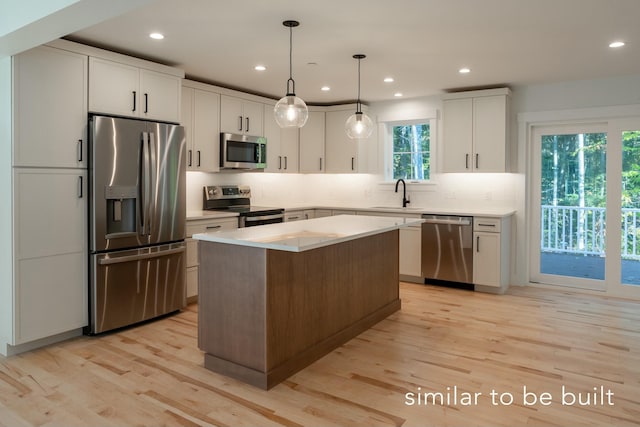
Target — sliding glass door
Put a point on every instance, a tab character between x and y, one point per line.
630	206
585	206
571	211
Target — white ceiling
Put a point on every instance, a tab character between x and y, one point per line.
421	43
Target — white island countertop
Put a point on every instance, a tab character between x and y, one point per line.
298	236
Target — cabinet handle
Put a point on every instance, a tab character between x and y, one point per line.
146	103
199	158
466	161
486	225
353	160
279	162
477	160
285	162
477	243
320	163
292	218
247	120
213	227
79	150
240	123
190	157
80	189
134	101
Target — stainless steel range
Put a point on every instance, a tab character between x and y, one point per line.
237	198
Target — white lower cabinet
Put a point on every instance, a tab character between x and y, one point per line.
50	252
491	253
298	215
335	212
319	213
411	253
196	226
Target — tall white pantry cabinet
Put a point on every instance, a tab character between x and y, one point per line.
49	197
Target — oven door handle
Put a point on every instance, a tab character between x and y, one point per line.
263	218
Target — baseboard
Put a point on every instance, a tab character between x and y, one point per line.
12	350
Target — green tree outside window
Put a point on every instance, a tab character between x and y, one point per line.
411	151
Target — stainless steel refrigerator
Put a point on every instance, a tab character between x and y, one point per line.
137	219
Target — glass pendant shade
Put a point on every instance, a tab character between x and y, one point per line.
291	111
358	126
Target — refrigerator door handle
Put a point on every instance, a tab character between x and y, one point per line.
137	257
152	188
144	185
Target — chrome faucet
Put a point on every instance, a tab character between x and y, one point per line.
405	201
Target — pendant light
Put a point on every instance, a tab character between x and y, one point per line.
291	111
358	125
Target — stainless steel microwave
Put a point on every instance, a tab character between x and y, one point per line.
242	151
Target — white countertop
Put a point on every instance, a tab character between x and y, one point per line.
298	236
416	210
498	212
212	214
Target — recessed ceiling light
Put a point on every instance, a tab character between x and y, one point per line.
397	94
388	79
259	68
325	88
464	70
616	44
156	36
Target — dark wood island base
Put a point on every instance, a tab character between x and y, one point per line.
265	314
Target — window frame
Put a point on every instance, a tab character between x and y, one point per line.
388	149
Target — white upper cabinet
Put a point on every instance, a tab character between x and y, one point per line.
475	129
200	117
160	96
50	104
240	116
282	145
126	90
340	150
312	142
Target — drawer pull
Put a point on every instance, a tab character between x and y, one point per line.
486	225
213	227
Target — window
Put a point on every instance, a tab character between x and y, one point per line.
410	150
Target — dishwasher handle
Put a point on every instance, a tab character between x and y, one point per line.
463	221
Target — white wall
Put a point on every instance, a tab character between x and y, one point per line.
6	226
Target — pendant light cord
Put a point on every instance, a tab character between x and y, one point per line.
358	108
293	83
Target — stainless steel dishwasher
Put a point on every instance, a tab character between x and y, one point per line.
447	248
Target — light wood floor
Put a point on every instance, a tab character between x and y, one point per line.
538	338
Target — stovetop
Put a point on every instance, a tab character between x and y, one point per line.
234	198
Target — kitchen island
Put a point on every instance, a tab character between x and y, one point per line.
275	298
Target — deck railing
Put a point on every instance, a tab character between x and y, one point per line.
581	230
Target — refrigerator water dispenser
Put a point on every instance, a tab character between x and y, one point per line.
121	210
